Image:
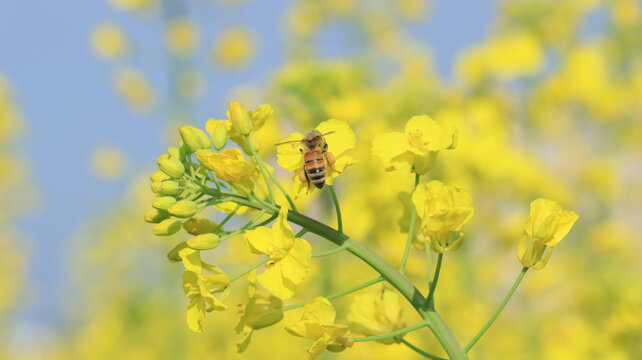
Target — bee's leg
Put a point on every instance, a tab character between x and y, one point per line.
303	177
330	160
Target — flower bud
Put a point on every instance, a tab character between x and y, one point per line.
183	209
194	138
203	242
198	226
219	136
168	227
155	216
240	118
158	176
173	256
170	166
156	186
174	152
163	202
168	187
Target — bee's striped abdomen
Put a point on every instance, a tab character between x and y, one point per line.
314	167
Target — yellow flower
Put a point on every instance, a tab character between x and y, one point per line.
340	139
317	323
258	117
262	310
199	288
443	210
376	313
416	148
234	47
289	256
182	37
134	88
230	166
547	225
109	42
108	163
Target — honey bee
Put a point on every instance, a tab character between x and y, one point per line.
315	158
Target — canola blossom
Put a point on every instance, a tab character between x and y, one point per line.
417	147
443	210
289	257
547	225
340	138
203	172
376	313
317	323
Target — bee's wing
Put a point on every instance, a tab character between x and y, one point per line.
287	142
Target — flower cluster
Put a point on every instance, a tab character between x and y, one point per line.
205	172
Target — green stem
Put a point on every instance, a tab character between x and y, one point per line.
339	294
261	165
429	264
237	276
255	219
287	196
227	218
330	252
391	334
433	284
301	232
264	222
418	350
498	311
337	208
411	230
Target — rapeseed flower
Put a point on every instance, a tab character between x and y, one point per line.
443	210
230	166
199	288
262	310
376	313
547	225
234	48
317	323
109	42
417	147
339	138
134	88
289	257
182	37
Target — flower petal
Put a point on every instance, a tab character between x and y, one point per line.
196	314
341	163
341	139
259	240
289	156
319	310
191	260
296	263
282	234
272	279
387	146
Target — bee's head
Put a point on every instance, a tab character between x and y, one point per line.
312	140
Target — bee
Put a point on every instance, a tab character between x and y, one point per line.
315	158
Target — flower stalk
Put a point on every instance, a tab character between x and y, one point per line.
498	311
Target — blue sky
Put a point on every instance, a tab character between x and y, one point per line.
65	95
